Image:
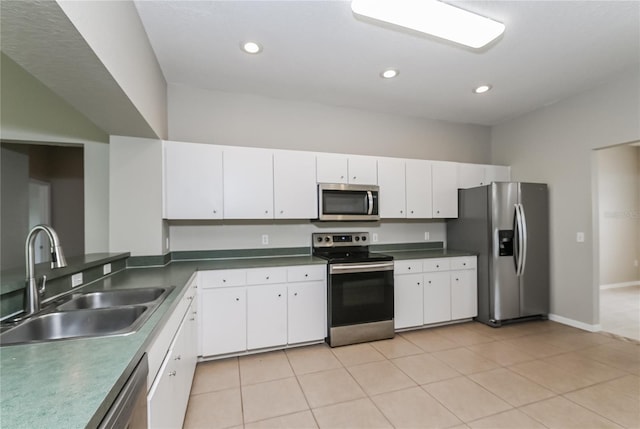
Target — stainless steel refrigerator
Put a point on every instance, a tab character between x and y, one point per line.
507	225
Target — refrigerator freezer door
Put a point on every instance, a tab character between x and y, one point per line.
504	285
534	281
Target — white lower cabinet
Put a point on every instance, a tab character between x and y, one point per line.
259	308
266	316
168	395
223	320
428	291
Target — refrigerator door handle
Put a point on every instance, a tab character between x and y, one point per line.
523	229
517	254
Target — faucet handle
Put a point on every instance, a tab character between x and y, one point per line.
43	284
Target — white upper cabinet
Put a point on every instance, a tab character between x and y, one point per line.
391	179
331	168
192	181
353	169
444	178
294	185
419	189
248	183
363	170
472	175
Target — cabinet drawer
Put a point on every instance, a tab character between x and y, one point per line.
306	273
259	276
465	263
222	278
407	267
440	264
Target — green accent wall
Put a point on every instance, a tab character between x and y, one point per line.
29	111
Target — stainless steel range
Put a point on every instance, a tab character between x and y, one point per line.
360	293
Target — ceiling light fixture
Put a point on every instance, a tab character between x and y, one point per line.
389	73
251	47
433	17
482	89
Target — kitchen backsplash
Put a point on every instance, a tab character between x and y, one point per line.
185	236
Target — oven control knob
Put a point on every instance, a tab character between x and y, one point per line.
357	238
364	238
319	239
327	239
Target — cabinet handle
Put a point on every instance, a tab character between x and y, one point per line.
418	283
437	266
237	299
279	295
192	319
172	374
429	281
342	177
401	211
464	264
411	211
178	357
267	277
409	268
195	286
190	297
215	211
456	279
354	177
224	280
295	294
281	211
266	212
438	211
306	275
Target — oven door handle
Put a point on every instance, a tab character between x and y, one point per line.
360	268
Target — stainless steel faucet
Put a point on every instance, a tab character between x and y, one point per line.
32	293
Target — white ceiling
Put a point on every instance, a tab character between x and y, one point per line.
319	51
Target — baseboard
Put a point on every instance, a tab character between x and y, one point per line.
617	285
575	323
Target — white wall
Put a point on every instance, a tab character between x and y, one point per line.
223	118
135	196
554	145
115	33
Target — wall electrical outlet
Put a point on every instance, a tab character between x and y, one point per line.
580	237
76	280
374	237
426	236
265	239
106	269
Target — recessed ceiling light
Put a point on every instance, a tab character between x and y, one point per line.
251	47
389	73
433	17
482	89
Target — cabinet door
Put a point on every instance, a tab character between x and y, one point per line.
437	298
161	412
223	320
464	294
471	175
419	193
307	310
363	170
497	173
331	168
266	316
248	183
294	185
445	189
408	303
391	179
192	181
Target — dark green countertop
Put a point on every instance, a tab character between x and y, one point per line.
72	383
426	254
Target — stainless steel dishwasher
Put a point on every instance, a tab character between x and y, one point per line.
129	410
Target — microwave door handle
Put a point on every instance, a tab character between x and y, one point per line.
370	201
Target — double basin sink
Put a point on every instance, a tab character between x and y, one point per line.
91	314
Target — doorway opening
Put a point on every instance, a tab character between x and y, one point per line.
618	190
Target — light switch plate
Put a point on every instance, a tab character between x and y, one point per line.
106	269
76	280
580	237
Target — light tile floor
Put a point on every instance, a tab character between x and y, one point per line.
528	375
620	311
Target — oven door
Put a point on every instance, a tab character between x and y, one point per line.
360	293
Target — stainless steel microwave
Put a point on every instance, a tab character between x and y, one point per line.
338	202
